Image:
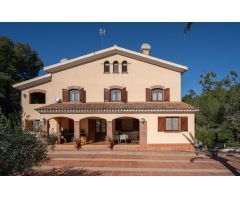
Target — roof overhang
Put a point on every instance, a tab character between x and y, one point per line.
117	107
33	82
113	51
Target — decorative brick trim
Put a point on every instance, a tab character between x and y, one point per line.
115	87
143	133
74	87
172	147
37	90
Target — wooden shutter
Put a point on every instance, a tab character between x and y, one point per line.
148	94
83	95
184	123
106	95
124	95
166	94
161	123
65	95
28	125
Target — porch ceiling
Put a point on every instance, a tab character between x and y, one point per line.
117	107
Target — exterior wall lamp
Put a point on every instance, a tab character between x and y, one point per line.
142	120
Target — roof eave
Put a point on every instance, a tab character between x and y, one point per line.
113	50
33	82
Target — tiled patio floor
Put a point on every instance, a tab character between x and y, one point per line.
136	163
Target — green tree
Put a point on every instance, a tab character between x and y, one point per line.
20	150
18	62
219	105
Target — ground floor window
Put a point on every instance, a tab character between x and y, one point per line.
100	125
172	123
36	125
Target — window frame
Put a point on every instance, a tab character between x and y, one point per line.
79	97
32	93
106	64
125	63
116	89
101	127
39	124
172	130
116	72
157	89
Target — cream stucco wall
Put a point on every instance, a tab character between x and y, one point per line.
140	76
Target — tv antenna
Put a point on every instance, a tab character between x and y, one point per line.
102	34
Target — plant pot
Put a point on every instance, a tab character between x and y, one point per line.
109	145
77	145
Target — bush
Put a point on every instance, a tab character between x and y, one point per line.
225	136
232	145
206	136
20	150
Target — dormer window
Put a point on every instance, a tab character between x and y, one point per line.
106	67
115	67
124	67
157	94
74	95
115	95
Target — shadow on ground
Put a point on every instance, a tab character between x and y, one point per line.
225	162
62	172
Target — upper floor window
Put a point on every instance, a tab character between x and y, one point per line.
106	67
115	95
74	95
124	67
37	98
157	94
115	67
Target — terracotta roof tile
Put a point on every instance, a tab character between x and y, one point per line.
117	107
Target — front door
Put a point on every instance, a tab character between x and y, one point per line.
91	129
100	129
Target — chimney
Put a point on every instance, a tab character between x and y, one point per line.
145	48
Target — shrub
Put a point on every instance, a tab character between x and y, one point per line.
225	136
232	145
20	150
206	136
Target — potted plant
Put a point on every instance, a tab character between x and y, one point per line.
109	142
77	143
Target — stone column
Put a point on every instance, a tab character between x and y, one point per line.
143	133
109	128
77	129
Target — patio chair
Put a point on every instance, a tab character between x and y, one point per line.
123	137
115	138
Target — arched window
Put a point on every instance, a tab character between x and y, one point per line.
124	67
74	95
37	98
106	67
115	67
157	94
115	95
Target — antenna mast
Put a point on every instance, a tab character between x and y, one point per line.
102	34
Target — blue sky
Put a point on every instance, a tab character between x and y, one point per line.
207	47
